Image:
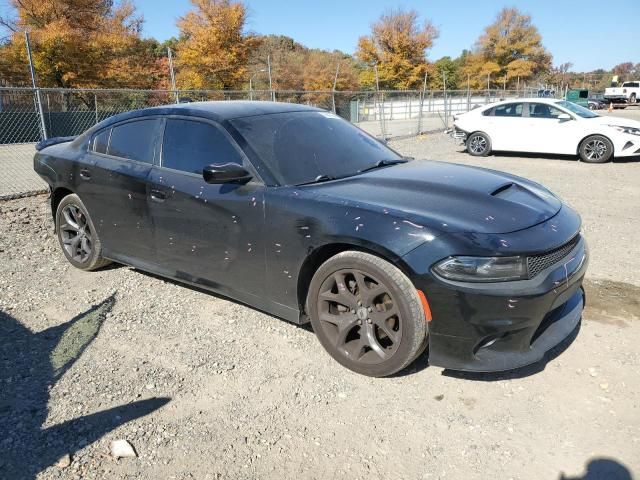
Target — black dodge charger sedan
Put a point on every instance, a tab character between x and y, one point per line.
298	213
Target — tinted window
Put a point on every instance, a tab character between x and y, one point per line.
631	84
299	147
508	110
542	110
190	146
584	94
135	140
101	141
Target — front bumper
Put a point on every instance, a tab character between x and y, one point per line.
507	325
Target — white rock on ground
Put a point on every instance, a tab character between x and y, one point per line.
122	449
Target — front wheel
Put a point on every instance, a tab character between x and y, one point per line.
633	98
366	314
77	235
596	149
479	144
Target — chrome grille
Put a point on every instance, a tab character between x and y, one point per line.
538	263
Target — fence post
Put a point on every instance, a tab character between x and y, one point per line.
333	92
95	103
380	103
273	95
38	98
422	95
173	76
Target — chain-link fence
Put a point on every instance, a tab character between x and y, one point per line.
29	115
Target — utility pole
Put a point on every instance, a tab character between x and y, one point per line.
333	92
173	75
444	87
38	99
273	95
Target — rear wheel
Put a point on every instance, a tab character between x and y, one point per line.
366	314
596	149
77	235
479	144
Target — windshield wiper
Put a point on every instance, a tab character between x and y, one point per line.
383	163
318	179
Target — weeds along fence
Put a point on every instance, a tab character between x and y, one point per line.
28	115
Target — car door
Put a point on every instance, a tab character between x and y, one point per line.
505	126
204	233
547	133
113	181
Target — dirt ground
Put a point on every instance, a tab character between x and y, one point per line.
205	388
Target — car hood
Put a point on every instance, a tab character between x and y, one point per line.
448	197
610	120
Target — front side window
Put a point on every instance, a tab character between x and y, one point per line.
190	146
542	110
135	140
508	110
301	147
577	109
101	141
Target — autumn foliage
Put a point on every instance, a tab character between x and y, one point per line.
79	43
397	46
509	49
98	43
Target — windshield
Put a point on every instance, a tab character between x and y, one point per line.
303	147
577	109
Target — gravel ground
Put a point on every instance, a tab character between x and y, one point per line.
206	388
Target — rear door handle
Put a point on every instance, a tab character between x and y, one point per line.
158	196
85	174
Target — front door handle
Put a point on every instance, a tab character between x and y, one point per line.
158	196
85	174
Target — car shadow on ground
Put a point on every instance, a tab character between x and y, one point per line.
602	469
30	365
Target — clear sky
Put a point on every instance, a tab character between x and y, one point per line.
589	33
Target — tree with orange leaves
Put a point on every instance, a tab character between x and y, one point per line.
214	50
397	45
510	48
78	43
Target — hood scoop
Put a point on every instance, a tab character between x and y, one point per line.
502	188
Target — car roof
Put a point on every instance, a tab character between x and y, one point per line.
219	111
549	101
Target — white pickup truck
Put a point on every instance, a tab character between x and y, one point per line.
628	93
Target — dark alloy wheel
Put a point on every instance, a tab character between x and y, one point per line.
596	149
367	314
478	144
77	235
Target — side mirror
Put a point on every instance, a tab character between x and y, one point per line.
225	173
564	117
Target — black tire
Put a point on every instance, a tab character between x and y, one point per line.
383	333
596	149
77	235
633	98
478	144
593	106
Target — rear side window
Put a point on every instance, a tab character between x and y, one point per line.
101	141
584	94
135	140
190	146
508	110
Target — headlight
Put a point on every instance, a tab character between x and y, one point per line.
629	130
482	269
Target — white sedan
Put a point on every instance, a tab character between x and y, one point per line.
540	125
